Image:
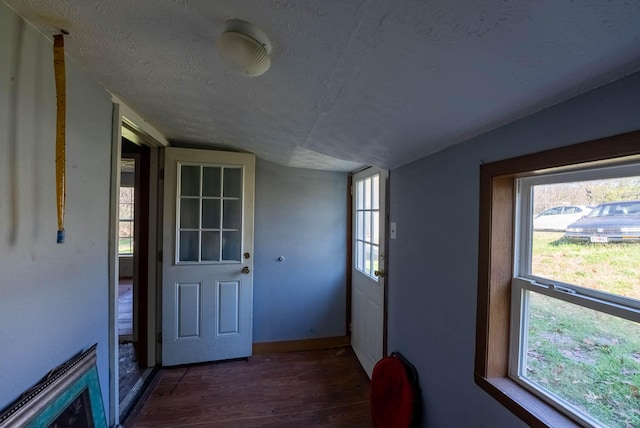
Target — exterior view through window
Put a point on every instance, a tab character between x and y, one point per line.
125	221
575	338
367	225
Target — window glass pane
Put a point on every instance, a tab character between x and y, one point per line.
125	229
126	211
231	245
376	228
232	182
374	259
367	194
189	213
375	189
360	256
189	180
125	237
596	246
189	246
367	259
588	358
360	195
232	216
211	213
211	181
360	225
126	195
211	246
125	246
367	226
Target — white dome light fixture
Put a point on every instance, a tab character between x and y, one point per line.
244	48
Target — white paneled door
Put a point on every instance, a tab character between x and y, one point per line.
207	256
368	277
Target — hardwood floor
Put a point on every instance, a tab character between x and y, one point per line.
125	307
325	388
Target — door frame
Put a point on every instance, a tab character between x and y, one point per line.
350	253
125	122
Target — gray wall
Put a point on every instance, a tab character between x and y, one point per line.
434	261
53	298
300	215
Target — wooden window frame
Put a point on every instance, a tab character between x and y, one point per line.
127	220
496	258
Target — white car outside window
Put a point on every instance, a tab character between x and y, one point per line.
558	218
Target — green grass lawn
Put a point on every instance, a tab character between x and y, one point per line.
125	246
590	359
613	268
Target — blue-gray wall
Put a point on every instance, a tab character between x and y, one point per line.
300	215
53	298
434	260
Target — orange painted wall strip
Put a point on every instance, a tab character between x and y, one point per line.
61	93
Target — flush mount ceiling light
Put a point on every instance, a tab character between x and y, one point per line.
244	48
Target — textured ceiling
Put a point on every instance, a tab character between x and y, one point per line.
352	82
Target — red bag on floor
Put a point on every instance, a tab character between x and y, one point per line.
394	393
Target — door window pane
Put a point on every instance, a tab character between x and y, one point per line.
367	194
189	246
232	182
231	246
211	213
367	226
232	217
211	246
190	180
360	225
376	229
374	258
211	181
367	259
189	213
375	201
360	195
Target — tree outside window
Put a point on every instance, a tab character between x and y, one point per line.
125	221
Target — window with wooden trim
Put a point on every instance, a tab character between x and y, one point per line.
555	341
126	221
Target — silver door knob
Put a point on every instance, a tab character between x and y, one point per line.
246	270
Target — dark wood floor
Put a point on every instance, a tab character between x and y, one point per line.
325	388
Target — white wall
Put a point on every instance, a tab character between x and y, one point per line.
53	297
434	261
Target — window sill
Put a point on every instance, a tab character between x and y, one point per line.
531	409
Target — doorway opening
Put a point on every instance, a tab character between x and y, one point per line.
133	259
